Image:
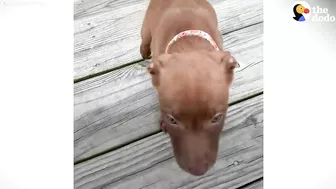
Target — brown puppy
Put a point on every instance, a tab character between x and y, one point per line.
191	74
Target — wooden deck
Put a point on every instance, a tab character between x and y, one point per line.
117	140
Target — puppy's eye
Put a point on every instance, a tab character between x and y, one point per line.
171	120
216	118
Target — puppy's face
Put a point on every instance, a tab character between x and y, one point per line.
193	90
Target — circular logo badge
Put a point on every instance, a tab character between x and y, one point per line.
301	11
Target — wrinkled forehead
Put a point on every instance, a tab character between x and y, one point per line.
188	84
201	99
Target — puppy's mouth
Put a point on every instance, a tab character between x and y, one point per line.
198	170
188	156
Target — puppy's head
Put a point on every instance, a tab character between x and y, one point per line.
193	90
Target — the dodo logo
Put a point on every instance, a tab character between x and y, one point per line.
301	11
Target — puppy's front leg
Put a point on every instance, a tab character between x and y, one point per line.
146	39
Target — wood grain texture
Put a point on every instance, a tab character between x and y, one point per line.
107	32
149	163
121	106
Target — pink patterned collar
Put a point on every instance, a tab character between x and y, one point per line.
198	33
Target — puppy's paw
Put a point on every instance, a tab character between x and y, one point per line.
145	51
163	126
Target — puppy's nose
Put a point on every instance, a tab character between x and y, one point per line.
199	169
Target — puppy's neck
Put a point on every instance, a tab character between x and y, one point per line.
189	44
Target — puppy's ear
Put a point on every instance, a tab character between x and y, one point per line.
155	67
228	60
152	69
232	63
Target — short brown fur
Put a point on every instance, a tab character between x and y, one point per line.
192	80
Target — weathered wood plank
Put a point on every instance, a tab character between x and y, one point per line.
149	163
121	106
107	32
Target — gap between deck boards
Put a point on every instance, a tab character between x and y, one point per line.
139	60
156	132
252	184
